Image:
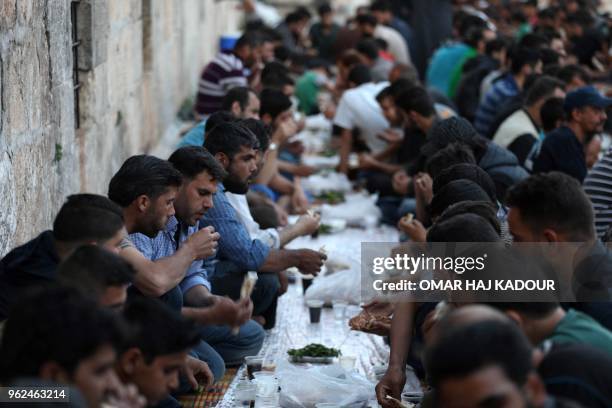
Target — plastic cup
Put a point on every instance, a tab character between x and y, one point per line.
244	394
339	308
412	397
267	384
306	282
254	364
314	308
263	401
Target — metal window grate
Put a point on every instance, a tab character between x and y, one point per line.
75	61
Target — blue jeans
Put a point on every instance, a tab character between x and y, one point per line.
227	281
234	348
220	347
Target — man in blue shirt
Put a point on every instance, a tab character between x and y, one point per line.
563	148
524	62
235	148
218	316
239	102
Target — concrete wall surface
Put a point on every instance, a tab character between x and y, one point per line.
136	62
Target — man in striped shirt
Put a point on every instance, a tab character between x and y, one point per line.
226	71
598	186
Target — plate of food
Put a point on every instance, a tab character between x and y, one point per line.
370	323
313	353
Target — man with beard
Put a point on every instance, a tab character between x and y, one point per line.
165	256
146	187
563	149
235	148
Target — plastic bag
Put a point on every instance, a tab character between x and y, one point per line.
303	387
320	183
341	285
357	210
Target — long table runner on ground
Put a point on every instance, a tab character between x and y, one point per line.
293	328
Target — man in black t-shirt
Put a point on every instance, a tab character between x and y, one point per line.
563	149
83	219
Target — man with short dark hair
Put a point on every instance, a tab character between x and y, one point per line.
226	71
563	149
59	336
82	219
380	68
369	27
524	62
292	30
240	102
484	363
235	148
250	206
552	207
98	274
155	350
219	316
277	114
574	77
146	188
382	10
542	321
358	110
324	32
521	131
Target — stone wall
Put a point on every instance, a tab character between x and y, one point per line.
138	60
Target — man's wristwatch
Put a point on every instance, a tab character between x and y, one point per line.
272	147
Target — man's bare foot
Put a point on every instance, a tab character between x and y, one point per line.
259	319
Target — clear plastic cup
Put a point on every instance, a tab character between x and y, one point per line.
339	308
244	394
267	384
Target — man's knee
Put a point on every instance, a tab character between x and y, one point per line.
268	283
206	353
252	335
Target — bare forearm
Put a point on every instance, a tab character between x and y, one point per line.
346	144
281	184
387	167
200	315
288	234
155	278
421	211
385	154
279	260
401	334
198	302
286	167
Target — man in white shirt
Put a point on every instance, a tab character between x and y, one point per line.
359	110
369	27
